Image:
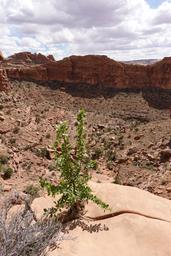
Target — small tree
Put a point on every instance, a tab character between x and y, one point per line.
73	165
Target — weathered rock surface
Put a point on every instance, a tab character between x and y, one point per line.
138	230
4	82
28	57
1	56
28	73
91	70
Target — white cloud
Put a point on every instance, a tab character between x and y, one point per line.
122	29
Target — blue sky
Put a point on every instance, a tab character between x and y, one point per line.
155	3
122	29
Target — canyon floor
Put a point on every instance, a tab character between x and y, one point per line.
130	140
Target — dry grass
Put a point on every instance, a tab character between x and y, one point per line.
22	235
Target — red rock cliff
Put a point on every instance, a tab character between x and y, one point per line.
92	70
160	74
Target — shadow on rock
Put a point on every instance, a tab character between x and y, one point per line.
91	228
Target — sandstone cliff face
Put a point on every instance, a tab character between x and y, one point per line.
32	73
160	74
136	76
90	70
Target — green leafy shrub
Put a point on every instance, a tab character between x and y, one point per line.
73	165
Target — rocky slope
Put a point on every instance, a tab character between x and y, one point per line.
130	140
4	82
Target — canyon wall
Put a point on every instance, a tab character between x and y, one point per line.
91	70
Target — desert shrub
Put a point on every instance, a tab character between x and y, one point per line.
32	190
110	155
12	141
97	153
42	152
6	172
22	235
73	165
110	165
4	159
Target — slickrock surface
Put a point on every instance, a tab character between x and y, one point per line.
136	231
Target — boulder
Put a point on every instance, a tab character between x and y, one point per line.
139	223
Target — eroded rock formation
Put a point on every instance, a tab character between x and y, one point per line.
1	56
89	70
4	82
28	57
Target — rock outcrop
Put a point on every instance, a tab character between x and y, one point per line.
1	56
29	58
89	70
4	82
160	74
28	73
